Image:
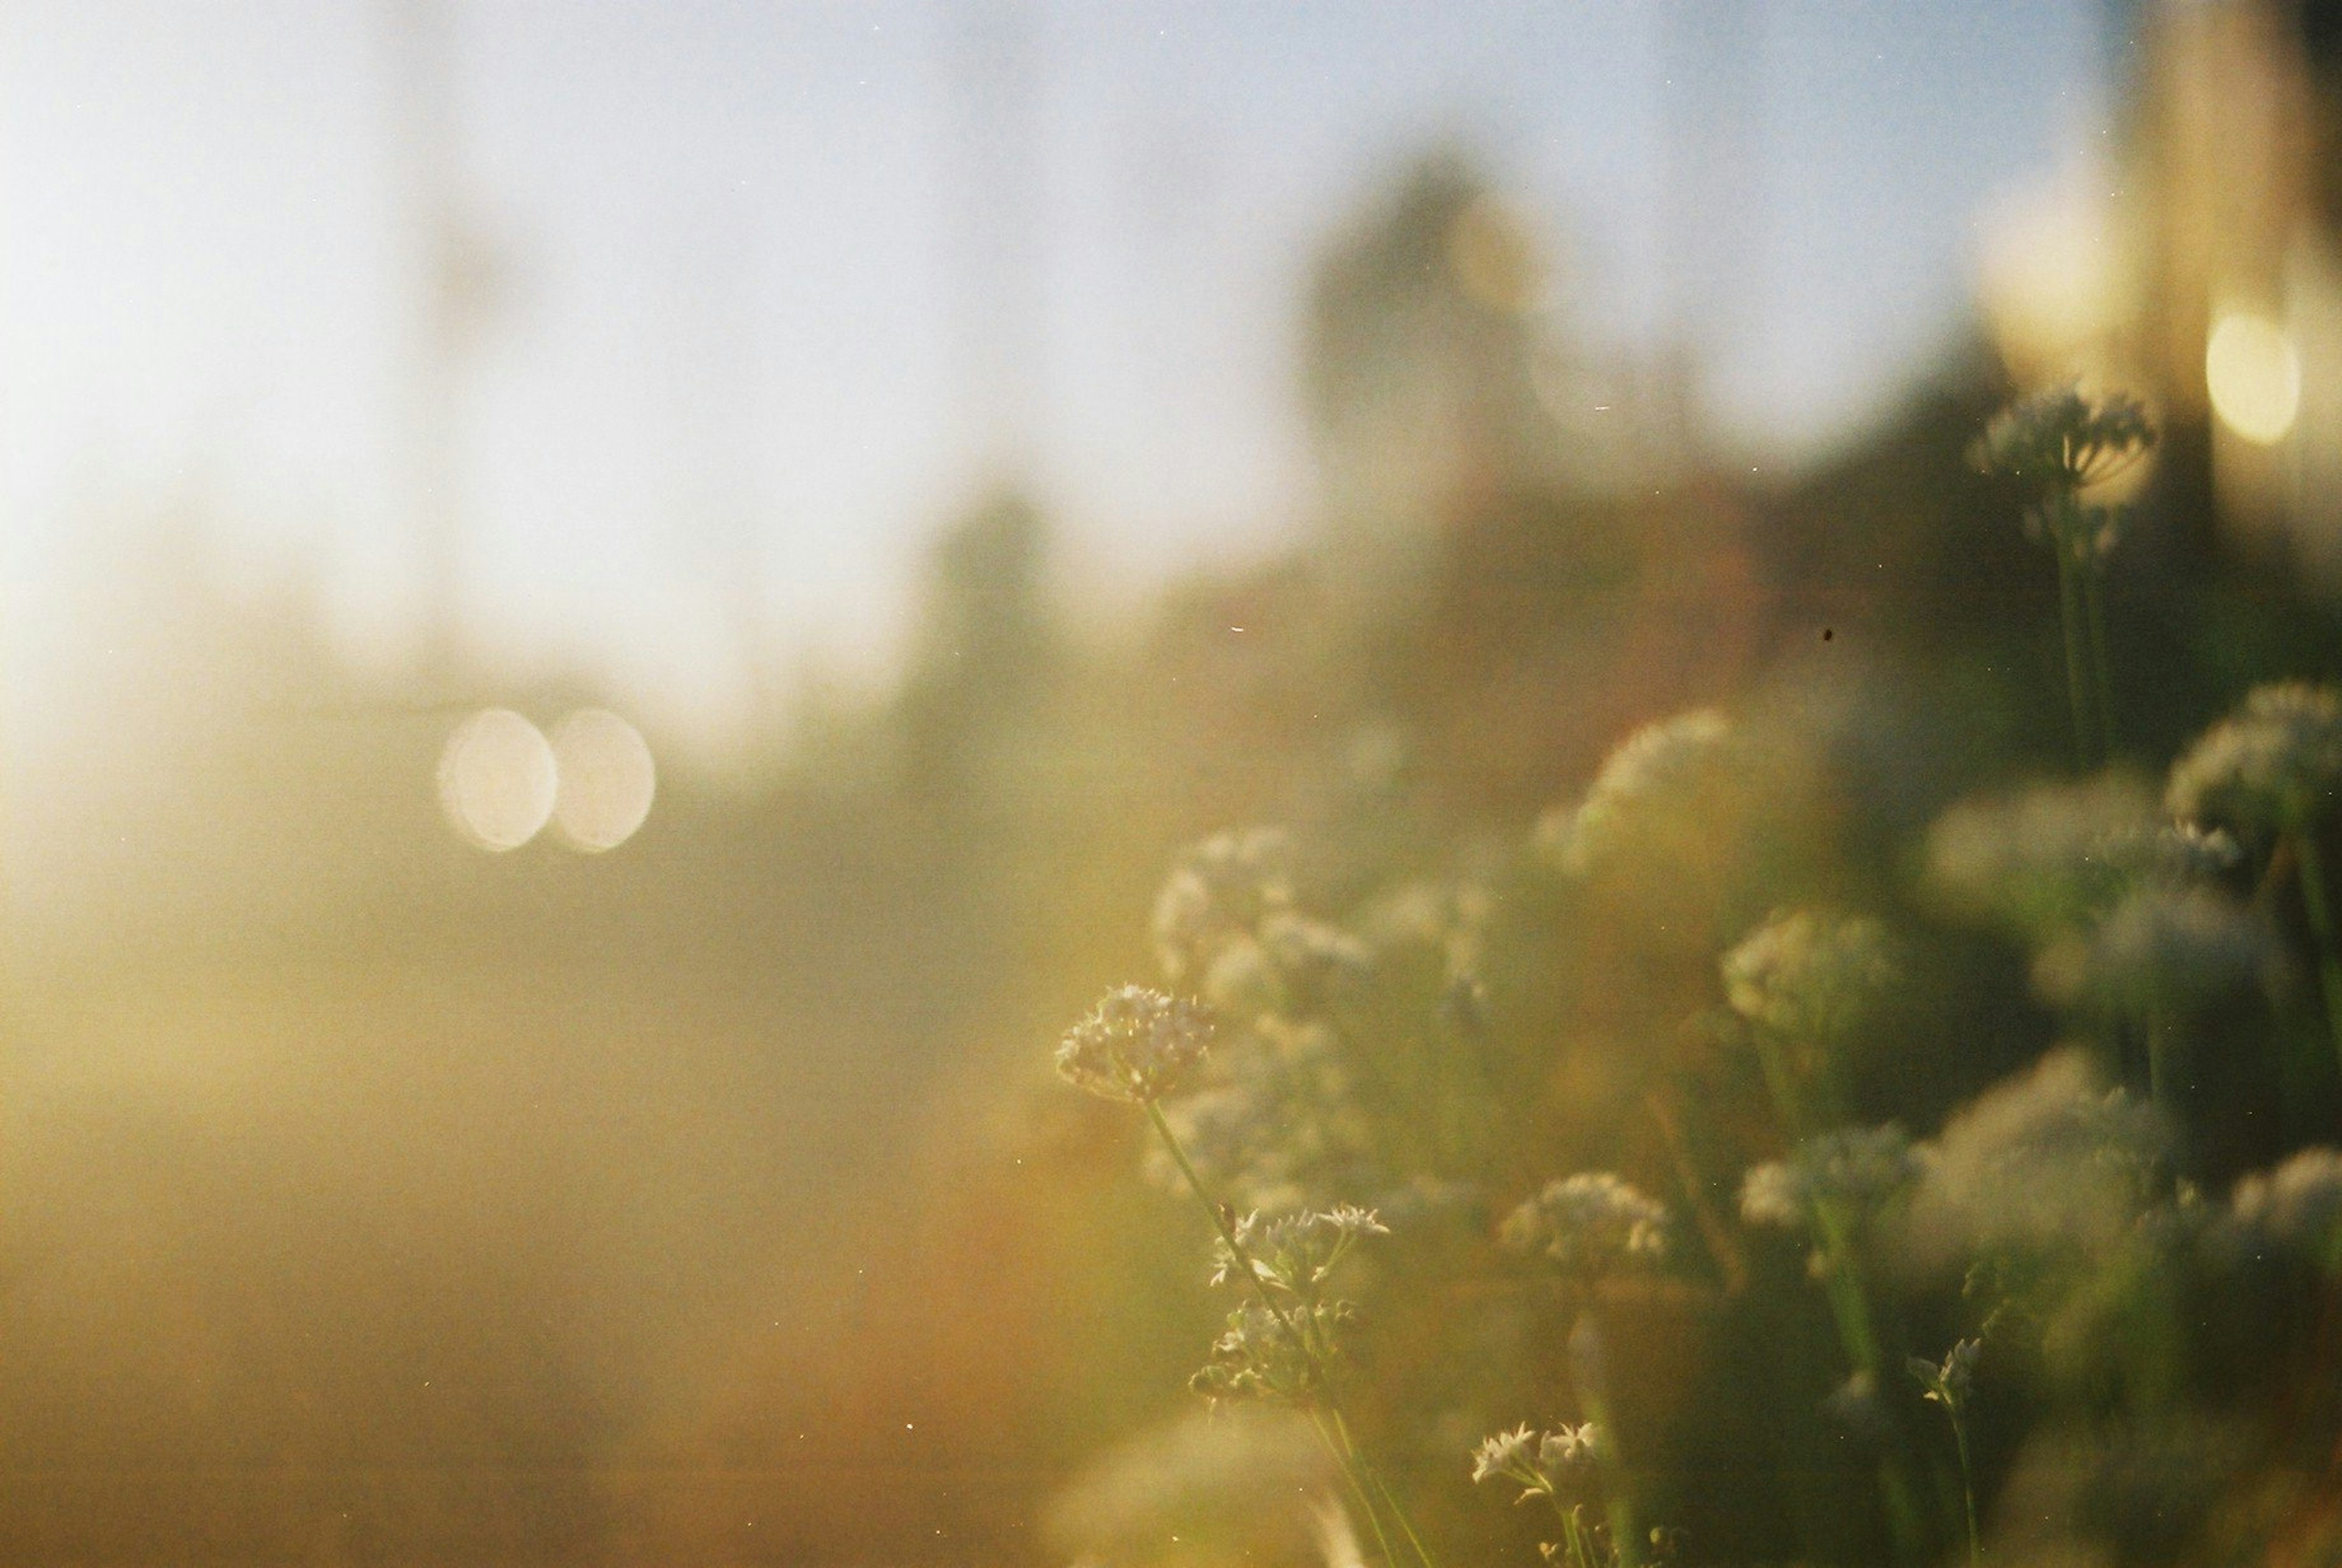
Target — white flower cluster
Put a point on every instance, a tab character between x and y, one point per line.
1810	976
1135	1045
1853	1170
2297	1206
1545	1463
2159	951
1222	889
1296	1253
2050	1161
2275	764
1592	1223
1664	769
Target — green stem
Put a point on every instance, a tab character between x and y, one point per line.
1859	1334
1365	1468
2102	670
1968	1488
1575	1536
2069	615
2310	860
1350	1477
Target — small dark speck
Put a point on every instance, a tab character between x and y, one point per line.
1828	635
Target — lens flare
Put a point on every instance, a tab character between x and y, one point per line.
607	780
2254	376
497	779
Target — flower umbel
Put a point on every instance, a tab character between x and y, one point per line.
1857	1169
1295	1253
2272	765
1592	1223
2061	439
1809	974
1135	1045
1545	1464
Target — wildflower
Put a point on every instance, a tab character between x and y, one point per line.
2060	440
2049	1161
2273	766
1591	1223
1854	1169
2059	444
1809	975
1543	1464
2158	951
1135	1045
1570	1450
1221	888
1297	1253
1668	767
1508	1453
1273	1355
1950	1382
2042	858
2298	1205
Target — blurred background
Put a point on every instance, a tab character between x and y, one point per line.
612	615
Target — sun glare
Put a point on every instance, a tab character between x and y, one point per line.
2254	376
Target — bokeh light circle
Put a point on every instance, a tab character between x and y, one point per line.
607	779
497	779
2254	376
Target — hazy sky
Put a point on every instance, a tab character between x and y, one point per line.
733	236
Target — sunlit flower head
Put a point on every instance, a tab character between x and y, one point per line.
1810	975
1949	1383
1505	1453
1661	769
1297	1253
1543	1463
1592	1223
1135	1045
2275	764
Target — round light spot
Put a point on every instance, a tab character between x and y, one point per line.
497	779
2254	376
607	779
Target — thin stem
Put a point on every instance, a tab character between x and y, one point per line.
1859	1334
1968	1486
1619	1504
2102	670
2069	615
2310	860
1229	1235
1367	1469
1350	1477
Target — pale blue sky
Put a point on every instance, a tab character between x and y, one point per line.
732	228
